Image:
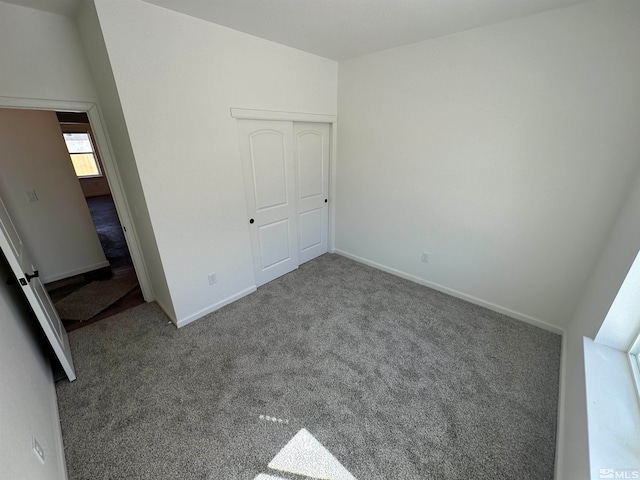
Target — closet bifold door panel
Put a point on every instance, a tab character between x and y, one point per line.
312	175
286	179
268	165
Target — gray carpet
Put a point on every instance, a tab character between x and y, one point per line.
396	380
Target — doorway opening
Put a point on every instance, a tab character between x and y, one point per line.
115	287
66	216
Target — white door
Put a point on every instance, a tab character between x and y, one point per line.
312	165
33	289
270	186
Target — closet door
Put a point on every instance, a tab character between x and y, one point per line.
267	150
312	169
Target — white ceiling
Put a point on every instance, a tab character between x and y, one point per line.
341	29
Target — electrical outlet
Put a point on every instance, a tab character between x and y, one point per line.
213	278
38	450
425	257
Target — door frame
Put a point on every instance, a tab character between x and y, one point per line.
111	172
250	114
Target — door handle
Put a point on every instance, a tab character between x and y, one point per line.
36	274
24	282
251	221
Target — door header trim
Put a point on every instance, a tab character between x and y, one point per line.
248	114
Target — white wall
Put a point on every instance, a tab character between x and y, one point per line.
57	228
42	56
28	406
98	60
505	152
177	78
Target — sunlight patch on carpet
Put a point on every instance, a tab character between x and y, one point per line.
304	455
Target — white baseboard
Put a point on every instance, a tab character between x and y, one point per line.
454	293
216	306
77	271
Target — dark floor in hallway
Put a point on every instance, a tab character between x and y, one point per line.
109	229
105	218
62	288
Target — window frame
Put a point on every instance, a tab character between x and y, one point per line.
83	128
634	360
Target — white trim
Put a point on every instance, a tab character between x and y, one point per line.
120	200
634	360
76	271
216	306
45	104
559	463
333	169
613	413
103	146
454	293
248	114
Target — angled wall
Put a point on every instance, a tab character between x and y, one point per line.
177	78
111	109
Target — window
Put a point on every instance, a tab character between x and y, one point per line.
82	153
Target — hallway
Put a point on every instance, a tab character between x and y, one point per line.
109	229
